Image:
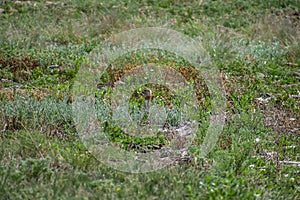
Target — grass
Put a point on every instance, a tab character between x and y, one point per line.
255	46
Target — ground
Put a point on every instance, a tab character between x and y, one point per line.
253	44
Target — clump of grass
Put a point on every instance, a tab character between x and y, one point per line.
47	115
131	142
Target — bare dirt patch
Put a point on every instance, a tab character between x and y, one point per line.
19	67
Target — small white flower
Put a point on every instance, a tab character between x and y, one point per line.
257	140
251	166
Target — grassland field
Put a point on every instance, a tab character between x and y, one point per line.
255	46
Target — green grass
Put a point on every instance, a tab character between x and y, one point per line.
255	45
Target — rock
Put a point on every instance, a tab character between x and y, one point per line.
261	75
53	66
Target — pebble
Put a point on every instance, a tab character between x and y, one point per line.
261	75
